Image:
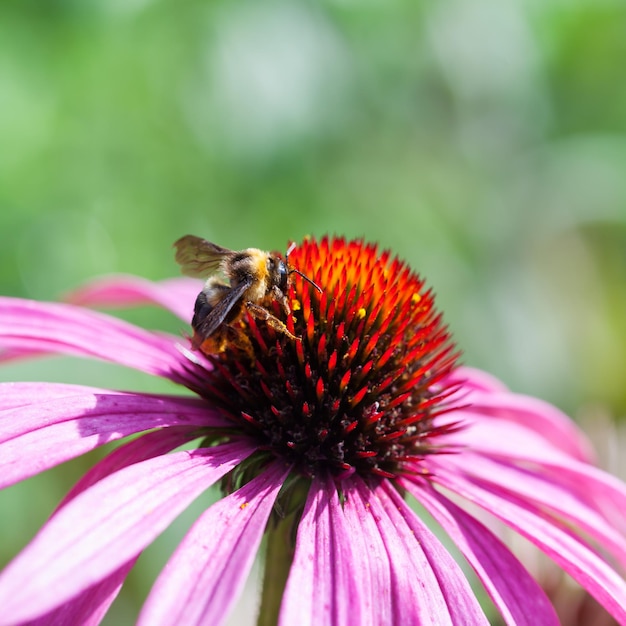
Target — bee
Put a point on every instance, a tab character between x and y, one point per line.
255	279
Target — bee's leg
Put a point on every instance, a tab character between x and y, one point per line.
282	298
263	314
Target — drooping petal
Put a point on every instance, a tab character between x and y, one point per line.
546	492
443	594
176	294
67	421
369	563
204	577
341	573
90	606
598	487
521	601
319	589
15	354
144	447
473	379
18	394
513	440
534	414
27	325
514	443
556	540
104	527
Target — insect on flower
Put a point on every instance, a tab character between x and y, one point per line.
255	279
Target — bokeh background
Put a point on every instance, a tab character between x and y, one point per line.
484	142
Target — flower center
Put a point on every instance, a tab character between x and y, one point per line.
360	388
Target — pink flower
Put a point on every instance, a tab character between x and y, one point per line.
321	442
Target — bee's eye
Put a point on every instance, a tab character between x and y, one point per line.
283	275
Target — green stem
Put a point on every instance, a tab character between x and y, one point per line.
278	558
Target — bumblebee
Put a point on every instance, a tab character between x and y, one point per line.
255	279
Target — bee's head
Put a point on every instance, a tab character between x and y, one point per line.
278	272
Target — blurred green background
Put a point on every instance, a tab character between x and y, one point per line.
484	142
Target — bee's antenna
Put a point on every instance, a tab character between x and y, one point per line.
308	280
293	270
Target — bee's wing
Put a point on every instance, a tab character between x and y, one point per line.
198	257
219	312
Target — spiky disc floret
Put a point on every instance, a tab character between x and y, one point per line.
359	390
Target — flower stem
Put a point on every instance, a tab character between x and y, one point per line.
278	558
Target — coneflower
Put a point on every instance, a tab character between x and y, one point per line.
321	442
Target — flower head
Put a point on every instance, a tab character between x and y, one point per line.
359	391
320	437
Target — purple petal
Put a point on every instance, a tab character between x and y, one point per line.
142	448
514	441
533	414
473	379
67	421
510	586
103	528
14	395
318	590
176	295
545	491
594	485
33	327
369	562
443	594
204	577
341	572
510	442
89	607
568	551
16	354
